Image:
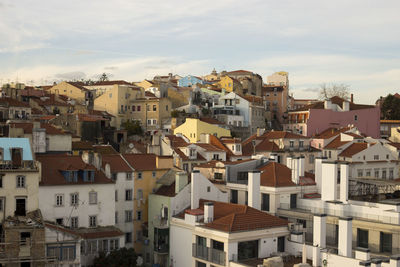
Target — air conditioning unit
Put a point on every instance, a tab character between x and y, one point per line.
291	226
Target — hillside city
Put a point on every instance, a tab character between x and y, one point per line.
222	169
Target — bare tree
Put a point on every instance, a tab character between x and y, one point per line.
341	90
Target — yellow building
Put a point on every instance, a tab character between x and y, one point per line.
193	128
131	103
148	169
145	84
230	84
74	90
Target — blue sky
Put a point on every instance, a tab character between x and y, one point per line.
354	42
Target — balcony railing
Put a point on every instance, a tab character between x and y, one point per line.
161	248
209	254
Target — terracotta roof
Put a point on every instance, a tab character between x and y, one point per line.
104	149
82	145
35	111
282	134
149	94
177	141
141	162
141	147
100	113
166	190
253	99
274	174
47	117
120	82
209	147
90	118
266	145
390	121
186	158
356	136
239	72
116	162
211	121
50	100
53	164
272	88
230	218
331	132
396	145
230	140
335	100
79	85
32	92
28	126
217	142
10	102
353	149
336	143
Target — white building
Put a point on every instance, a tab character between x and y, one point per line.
219	233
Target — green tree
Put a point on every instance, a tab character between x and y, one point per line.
133	127
390	108
122	257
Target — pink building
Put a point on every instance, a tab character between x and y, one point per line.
335	112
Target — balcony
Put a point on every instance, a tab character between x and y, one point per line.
161	223
209	254
24	165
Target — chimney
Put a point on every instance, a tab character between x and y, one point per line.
318	172
328	104
273	157
346	105
319	230
295	167
345	236
181	181
208	212
301	166
195	195
351	98
329	181
254	189
344	182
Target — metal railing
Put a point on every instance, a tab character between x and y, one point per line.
209	254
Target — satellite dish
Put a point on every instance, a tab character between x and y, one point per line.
130	145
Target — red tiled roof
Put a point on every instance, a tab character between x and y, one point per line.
13	102
209	147
82	145
90	118
335	100
50	100
353	149
166	190
116	162
356	136
120	82
253	99
331	132
28	126
276	175
336	143
239	72
104	149
79	85
177	141
211	121
100	113
230	218
186	158
32	92
141	162
53	164
89	233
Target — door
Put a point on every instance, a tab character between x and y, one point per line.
20	207
293	201
281	244
234	196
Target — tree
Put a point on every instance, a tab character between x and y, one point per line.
122	257
327	91
390	108
103	77
133	127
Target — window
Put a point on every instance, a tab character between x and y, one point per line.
133	108
92	198
116	195
362	238
154	108
376	173
376	157
20	181
218	176
293	201
148	107
139	194
138	108
311	159
74	222
355	117
128	237
390	173
59	200
128	194
139	215
60	221
384	173
128	216
148	122
387	156
330	154
154	122
368	173
386	242
359	173
185	167
93	221
301	143
139	175
154	174
265	202
166	107
139	235
215	156
291	143
128	176
74	199
208	189
192	152
116	217
1	179
1	204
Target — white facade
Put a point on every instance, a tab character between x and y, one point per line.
103	208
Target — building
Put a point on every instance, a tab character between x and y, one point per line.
100	87
148	168
44	137
276	101
281	144
22	230
189	81
334	112
387	127
240	111
229	84
219	233
74	90
193	128
280	78
251	82
11	109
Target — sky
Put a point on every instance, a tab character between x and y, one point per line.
353	42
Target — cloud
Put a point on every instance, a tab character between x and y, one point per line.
73	75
